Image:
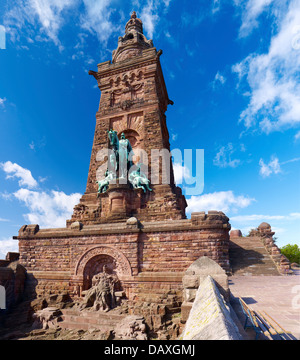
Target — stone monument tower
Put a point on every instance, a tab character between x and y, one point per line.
119	228
133	101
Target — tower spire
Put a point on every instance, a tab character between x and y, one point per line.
134	24
133	42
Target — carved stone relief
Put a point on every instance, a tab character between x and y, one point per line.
103	255
126	90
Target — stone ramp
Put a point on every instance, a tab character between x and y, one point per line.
248	256
74	319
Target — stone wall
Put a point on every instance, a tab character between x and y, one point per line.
139	253
12	280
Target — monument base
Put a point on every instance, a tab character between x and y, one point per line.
148	258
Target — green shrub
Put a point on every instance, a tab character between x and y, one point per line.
292	252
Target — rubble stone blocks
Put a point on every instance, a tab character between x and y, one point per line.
131	328
193	278
210	317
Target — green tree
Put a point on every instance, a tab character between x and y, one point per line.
292	252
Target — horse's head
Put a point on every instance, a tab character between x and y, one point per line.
113	138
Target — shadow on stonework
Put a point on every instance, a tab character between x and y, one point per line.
243	259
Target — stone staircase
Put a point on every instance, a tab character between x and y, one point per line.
248	256
74	319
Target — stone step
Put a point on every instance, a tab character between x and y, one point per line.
248	256
89	313
87	320
80	326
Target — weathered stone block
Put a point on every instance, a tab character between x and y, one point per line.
190	281
197	273
189	294
209	317
76	225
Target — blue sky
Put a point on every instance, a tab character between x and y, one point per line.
231	68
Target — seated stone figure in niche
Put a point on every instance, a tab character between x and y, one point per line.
101	296
139	180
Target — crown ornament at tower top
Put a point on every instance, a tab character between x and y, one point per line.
134	24
133	42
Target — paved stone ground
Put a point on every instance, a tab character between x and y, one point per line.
278	296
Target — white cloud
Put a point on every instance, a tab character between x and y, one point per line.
273	167
167	3
219	79
39	144
180	173
148	11
290	161
273	77
216	5
254	217
8	245
294	215
242	147
150	17
15	170
252	9
42	179
48	209
96	19
43	20
223	157
174	137
247	218
297	136
221	201
49	16
281	224
2	101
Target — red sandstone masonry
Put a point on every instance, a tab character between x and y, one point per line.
61	259
149	257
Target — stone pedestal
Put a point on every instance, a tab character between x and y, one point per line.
119	200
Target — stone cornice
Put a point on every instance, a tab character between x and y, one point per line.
107	68
122	228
